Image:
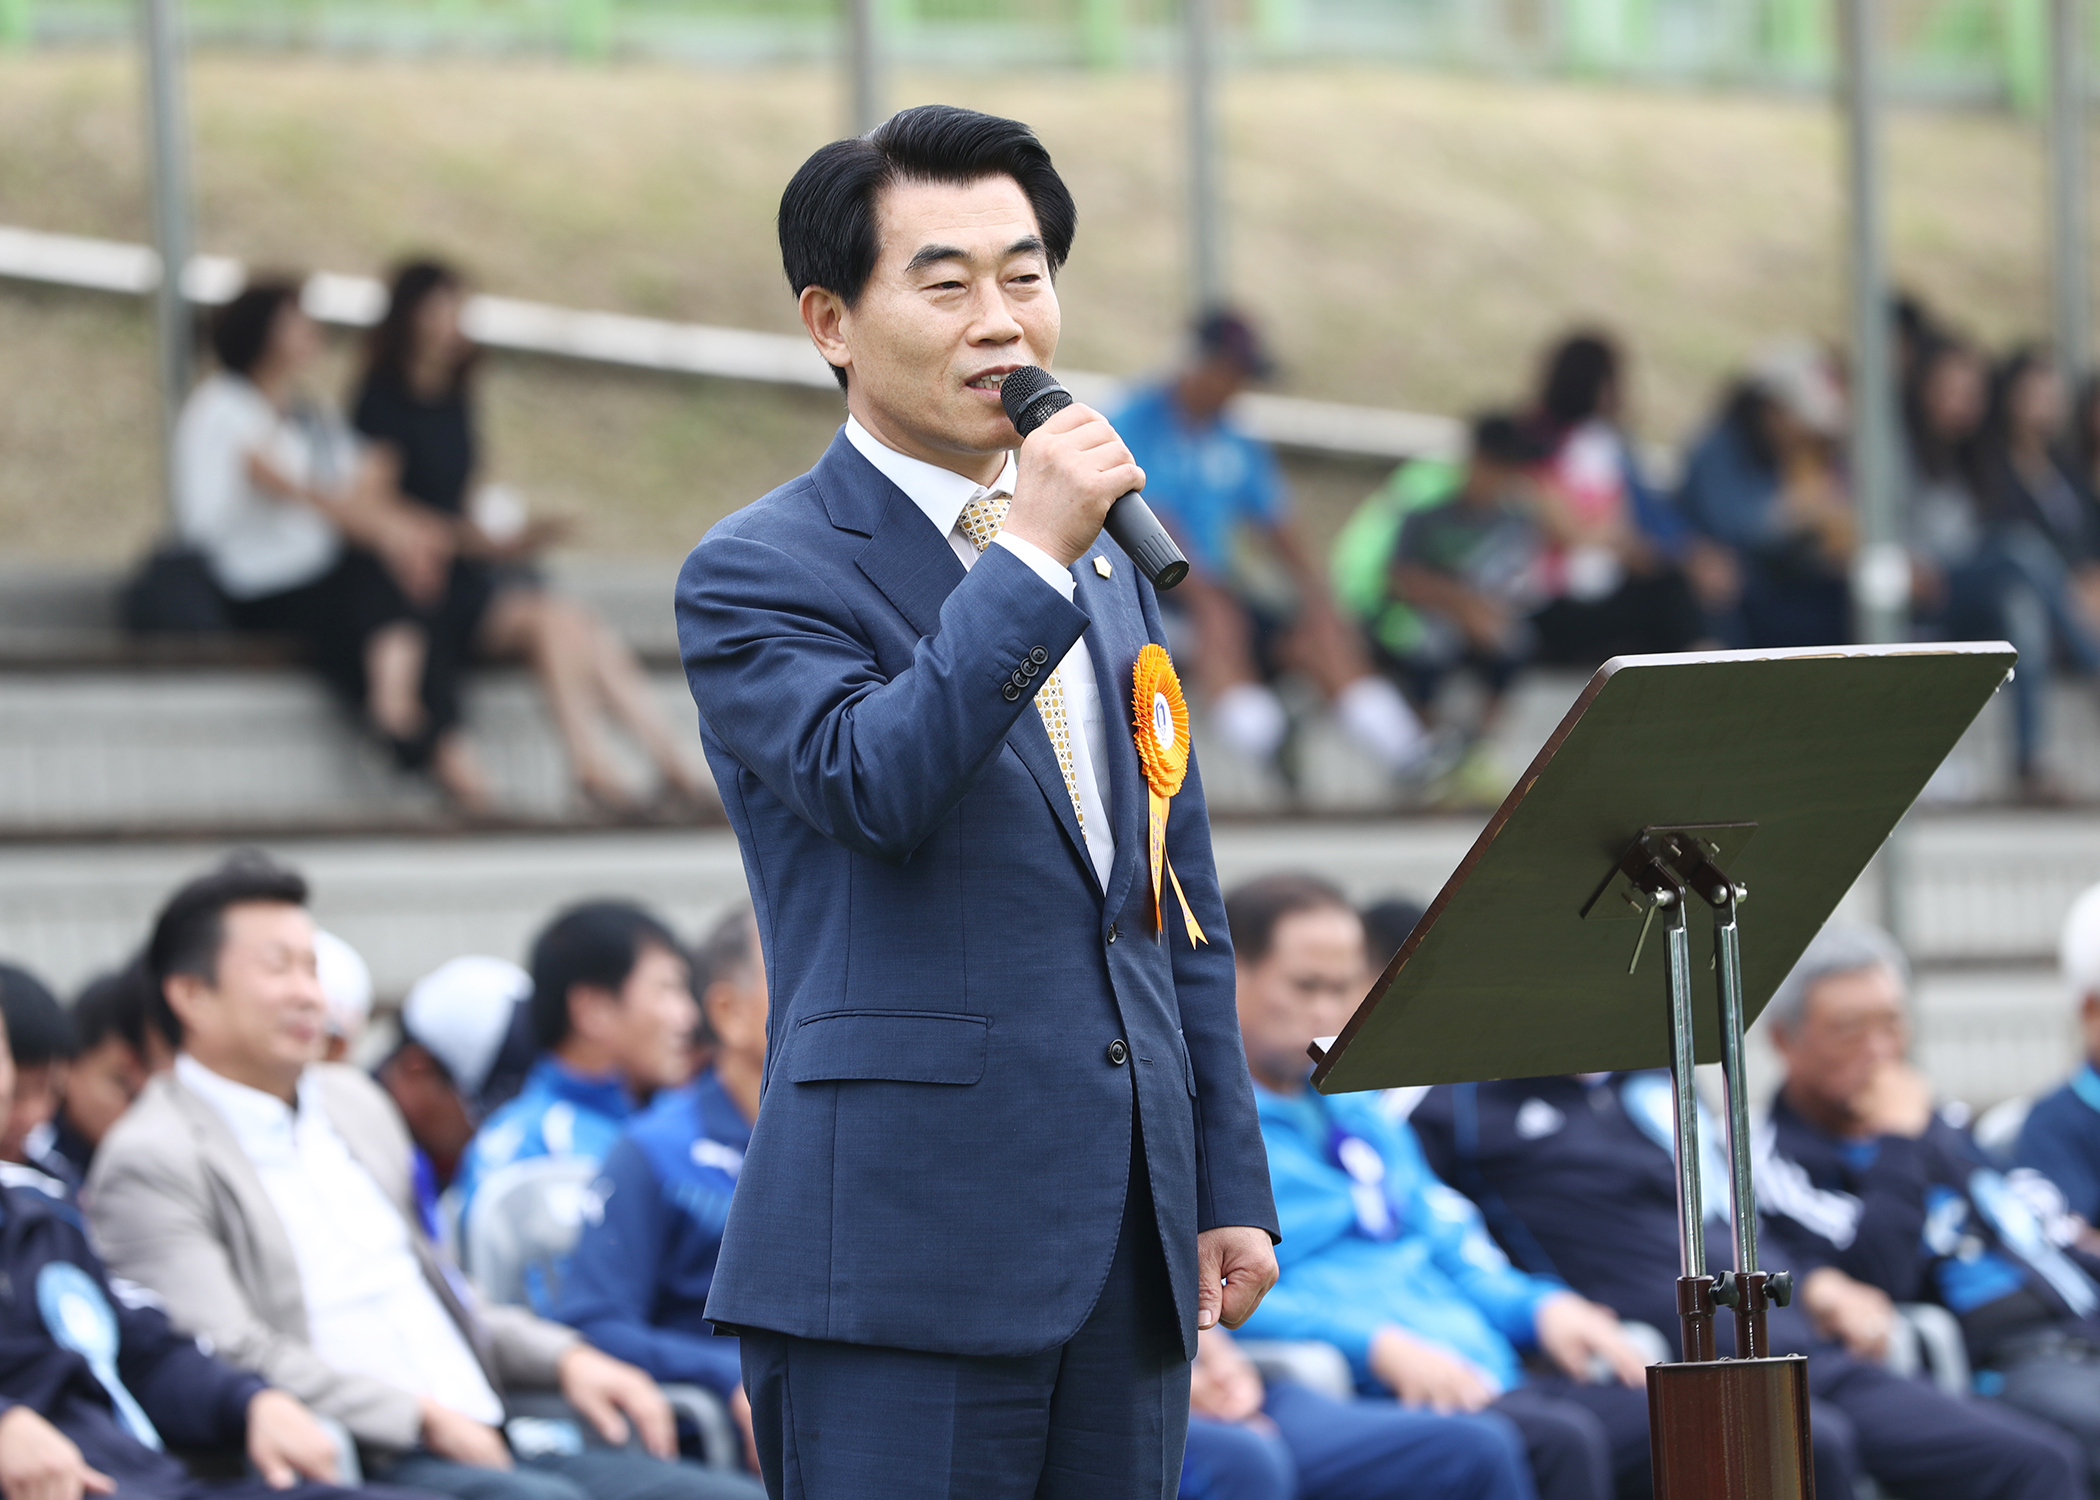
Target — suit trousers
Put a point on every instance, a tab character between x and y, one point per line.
1101	1417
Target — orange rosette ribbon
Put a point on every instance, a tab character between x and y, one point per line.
1160	719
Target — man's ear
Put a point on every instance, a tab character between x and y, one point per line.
185	994
593	1011
825	314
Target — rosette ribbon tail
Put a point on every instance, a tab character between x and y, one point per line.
1157	843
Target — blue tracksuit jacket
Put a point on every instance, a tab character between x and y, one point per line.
638	1279
1371	1239
2061	1140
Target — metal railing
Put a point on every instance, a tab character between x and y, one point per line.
1965	49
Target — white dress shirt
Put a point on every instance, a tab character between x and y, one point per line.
368	1307
257	543
942	494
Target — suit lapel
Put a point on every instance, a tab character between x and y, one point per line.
916	570
276	1262
1113	640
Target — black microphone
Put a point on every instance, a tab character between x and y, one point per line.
1032	397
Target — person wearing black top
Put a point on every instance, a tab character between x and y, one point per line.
415	401
2043	521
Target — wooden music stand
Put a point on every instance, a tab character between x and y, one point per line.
1675	783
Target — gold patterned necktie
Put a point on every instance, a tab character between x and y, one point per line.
980	522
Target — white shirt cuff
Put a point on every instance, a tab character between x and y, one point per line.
1042	563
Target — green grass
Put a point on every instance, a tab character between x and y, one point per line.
1409	240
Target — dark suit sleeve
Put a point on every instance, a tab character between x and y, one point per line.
1232	1166
613	1276
790	685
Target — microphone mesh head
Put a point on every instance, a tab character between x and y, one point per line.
1032	396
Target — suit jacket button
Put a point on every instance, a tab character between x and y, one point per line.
1111	932
1038	655
1009	692
1029	669
1117	1052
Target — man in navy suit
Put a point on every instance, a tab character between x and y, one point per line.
1006	1161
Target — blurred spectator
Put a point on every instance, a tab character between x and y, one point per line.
1610	575
1221	494
613	1012
95	1386
308	1266
637	1282
2044	527
1861	1172
2061	1136
1249	1440
1465	573
119	1048
454	1027
415	403
1385	1262
1540	1155
1765	483
1967	579
40	1043
346	984
304	536
1388	924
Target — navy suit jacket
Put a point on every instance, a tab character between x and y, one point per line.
944	1144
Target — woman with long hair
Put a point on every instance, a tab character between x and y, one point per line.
302	532
415	401
2043	528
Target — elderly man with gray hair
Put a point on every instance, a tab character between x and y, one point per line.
2061	1139
1860	1172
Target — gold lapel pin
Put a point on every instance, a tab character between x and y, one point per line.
1101	566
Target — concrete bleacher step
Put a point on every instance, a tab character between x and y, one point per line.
1984	895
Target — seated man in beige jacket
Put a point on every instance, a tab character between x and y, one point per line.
267	1199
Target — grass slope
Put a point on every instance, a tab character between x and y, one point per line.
1409	240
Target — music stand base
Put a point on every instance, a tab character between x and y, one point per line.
1731	1429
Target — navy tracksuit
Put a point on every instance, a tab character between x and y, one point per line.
2061	1140
638	1278
1927	1218
60	1319
1575	1179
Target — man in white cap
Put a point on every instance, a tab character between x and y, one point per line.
346	984
2061	1139
453	1027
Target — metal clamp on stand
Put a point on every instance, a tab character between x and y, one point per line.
1692	1405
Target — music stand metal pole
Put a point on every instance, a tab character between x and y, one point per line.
1748	1290
1695	1306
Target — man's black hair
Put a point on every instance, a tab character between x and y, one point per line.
119	1004
827	219
1255	910
1502	438
240	331
191	928
597	943
39	1032
1387	925
1578	372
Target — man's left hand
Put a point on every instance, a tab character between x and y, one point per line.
286	1444
611	1393
1235	1267
1575	1332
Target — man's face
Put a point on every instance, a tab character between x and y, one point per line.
100	1085
35	1101
960	295
429	1102
1207	387
263	1016
654	1020
736	1009
1851	1027
1305	987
